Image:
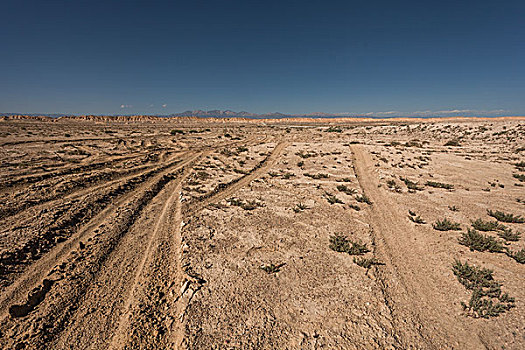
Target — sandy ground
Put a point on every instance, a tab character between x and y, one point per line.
206	235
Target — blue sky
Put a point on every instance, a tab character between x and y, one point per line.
357	57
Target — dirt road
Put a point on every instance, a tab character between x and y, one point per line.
150	236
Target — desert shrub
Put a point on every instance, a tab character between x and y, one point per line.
304	155
357	248
520	165
355	207
439	185
417	219
341	244
242	149
520	177
480	242
453	208
248	205
413	143
228	153
446	225
299	207
367	262
175	132
363	199
317	176
333	199
481	225
504	217
508	235
251	205
300	164
344	189
272	268
411	185
487	299
519	256
454	142
334	129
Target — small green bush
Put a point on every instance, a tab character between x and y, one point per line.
439	185
481	225
519	256
411	185
341	244
272	268
508	235
333	199
503	217
454	142
345	189
487	299
446	225
367	262
520	177
363	199
480	242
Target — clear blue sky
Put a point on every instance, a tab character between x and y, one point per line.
397	57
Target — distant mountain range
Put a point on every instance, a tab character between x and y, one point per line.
243	114
205	114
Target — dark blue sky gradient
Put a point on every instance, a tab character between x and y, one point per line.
288	56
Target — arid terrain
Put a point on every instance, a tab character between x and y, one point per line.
223	234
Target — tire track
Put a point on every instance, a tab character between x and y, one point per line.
423	315
97	270
122	335
66	220
56	256
228	189
86	185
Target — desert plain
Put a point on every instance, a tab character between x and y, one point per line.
150	233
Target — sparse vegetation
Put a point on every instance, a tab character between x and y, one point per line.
505	217
272	268
436	184
414	186
248	205
453	142
415	218
363	199
520	177
334	129
509	235
487	299
346	190
367	262
480	242
333	199
519	256
341	244
520	165
317	176
355	207
299	208
481	225
446	225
